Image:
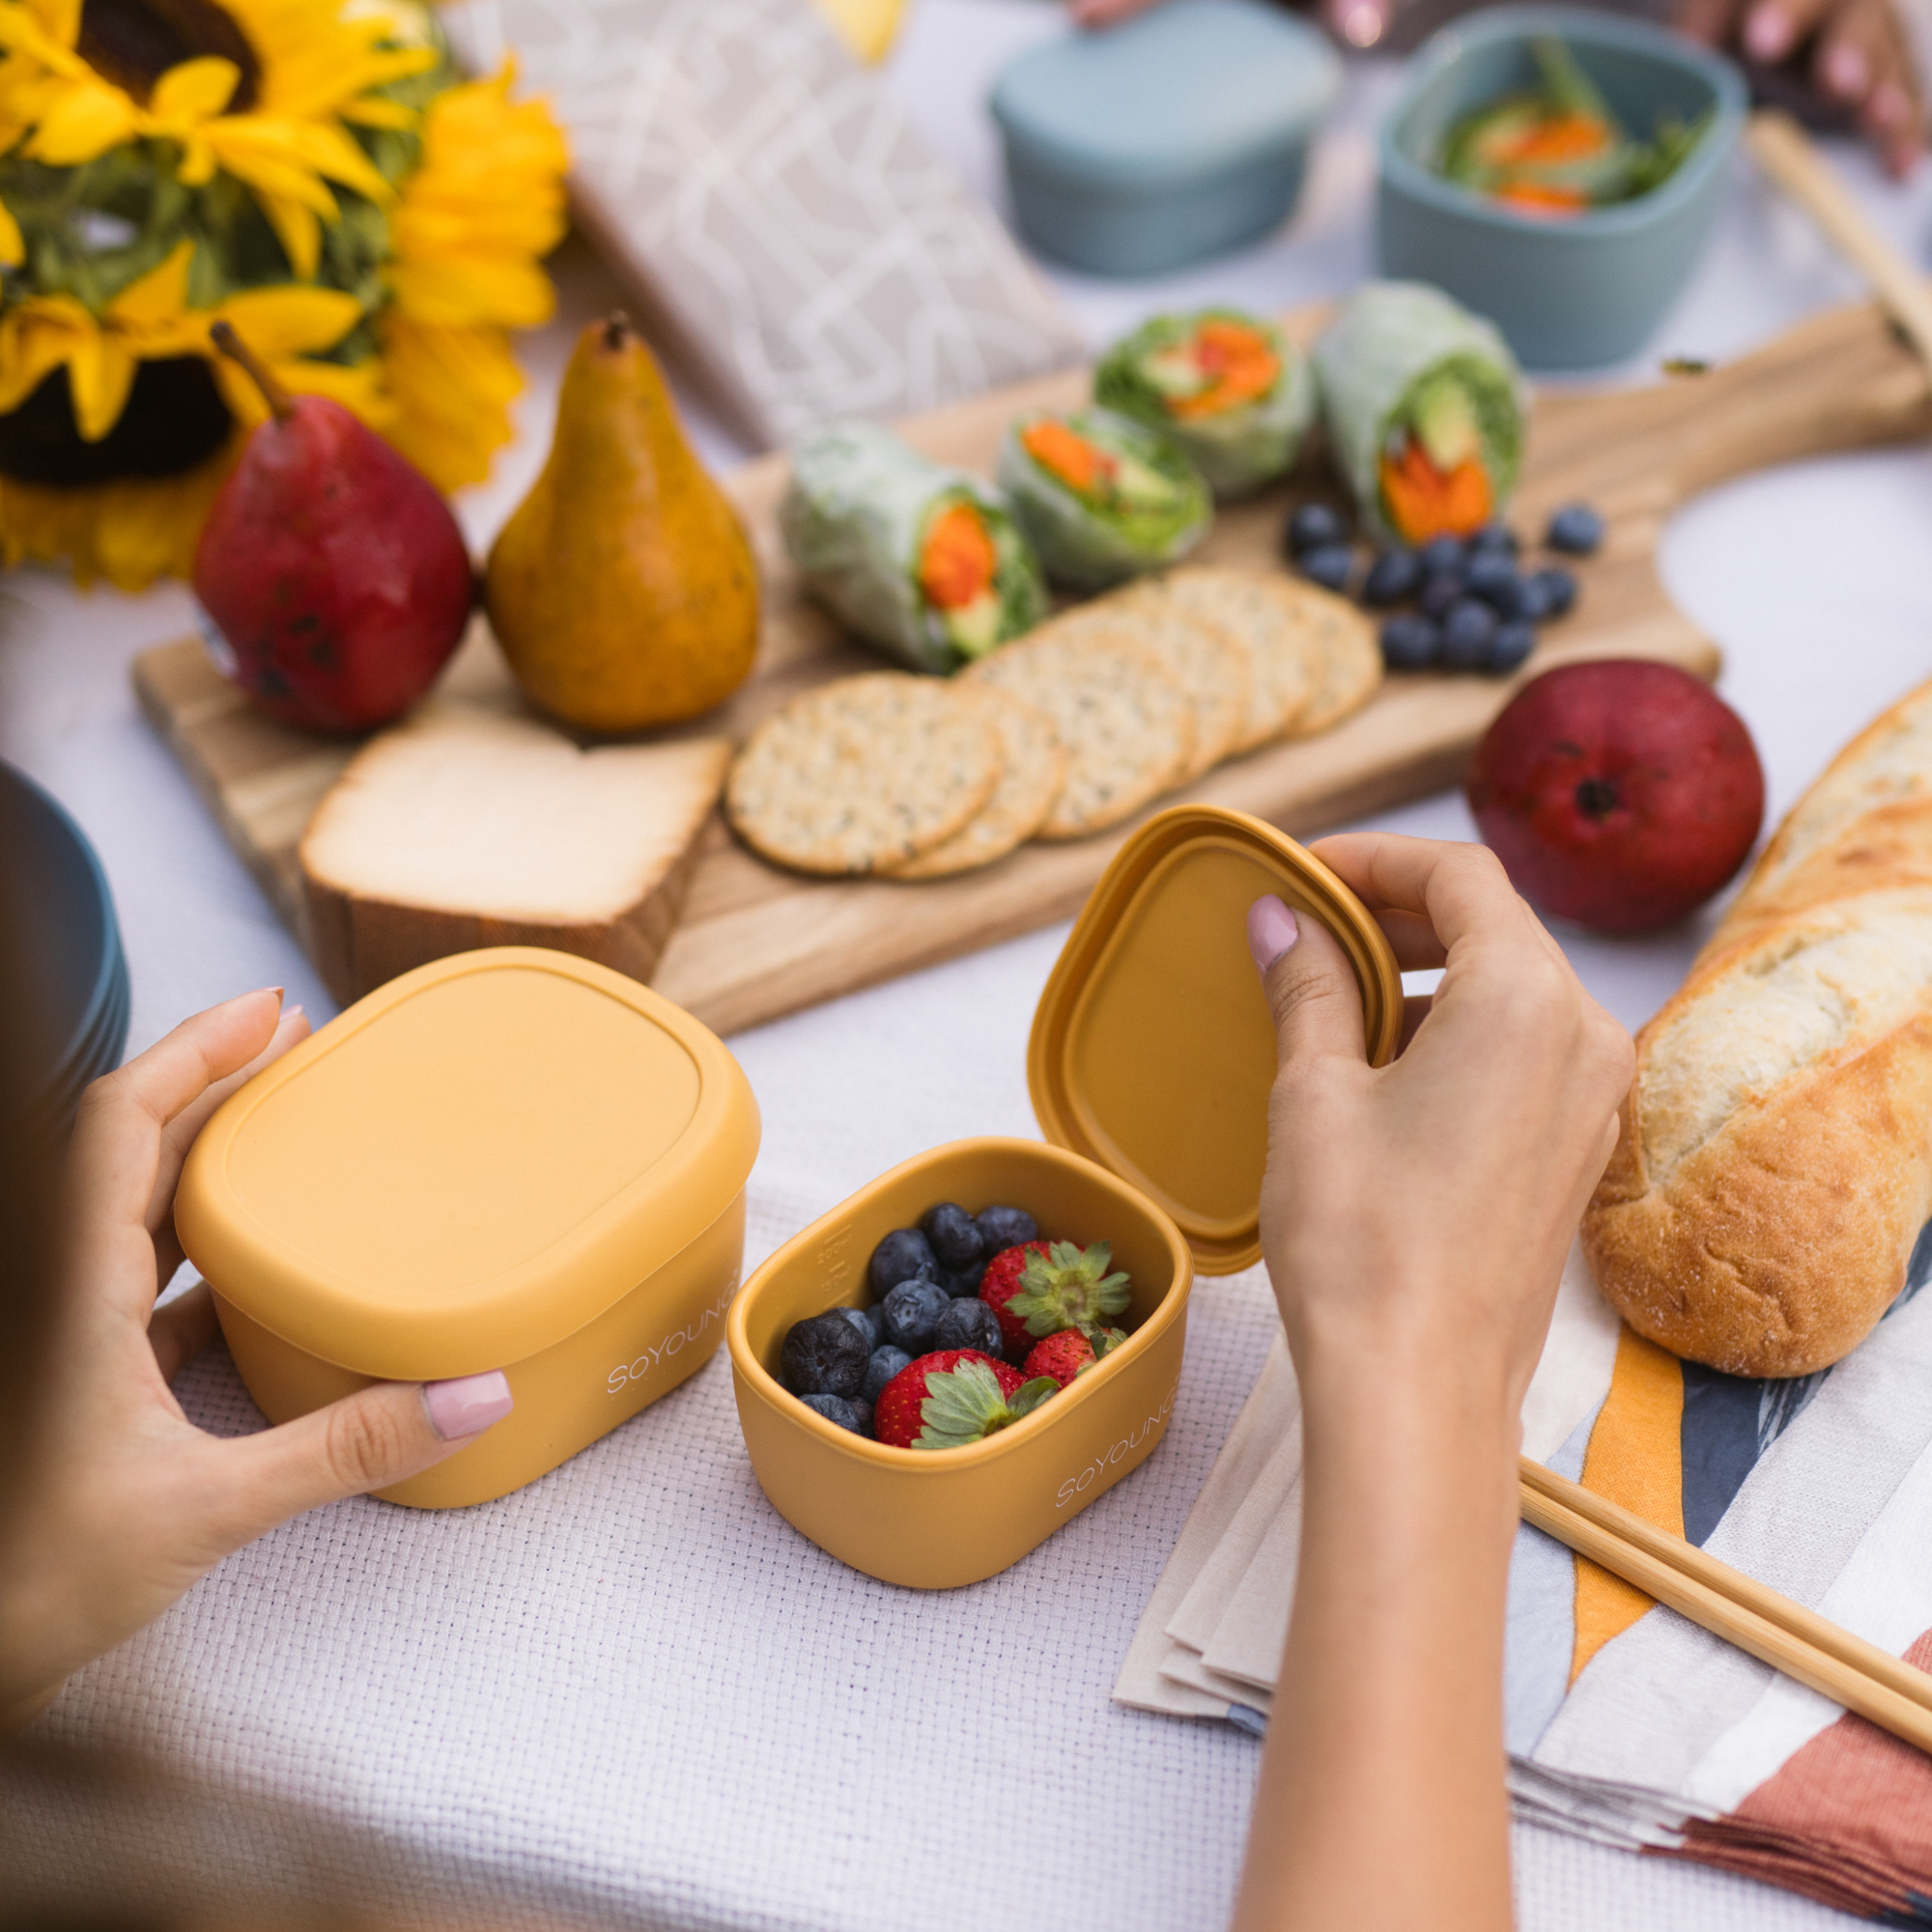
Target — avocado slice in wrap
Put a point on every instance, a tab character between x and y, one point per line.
1227	387
1425	407
926	563
1103	497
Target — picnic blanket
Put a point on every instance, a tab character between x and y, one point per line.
1626	1724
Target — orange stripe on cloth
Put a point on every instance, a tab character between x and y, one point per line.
1635	1457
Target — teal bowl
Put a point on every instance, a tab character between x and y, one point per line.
1590	288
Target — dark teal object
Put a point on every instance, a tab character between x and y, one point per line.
53	890
1590	288
1175	137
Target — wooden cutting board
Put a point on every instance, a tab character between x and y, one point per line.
755	942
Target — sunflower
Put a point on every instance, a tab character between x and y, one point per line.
308	170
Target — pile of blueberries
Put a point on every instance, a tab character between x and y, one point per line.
1475	608
925	1285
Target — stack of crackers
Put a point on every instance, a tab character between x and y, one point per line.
1061	733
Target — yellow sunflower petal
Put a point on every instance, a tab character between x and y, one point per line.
34	339
263	154
88	117
453	388
196	90
99	371
13	243
378	110
298	231
157	298
291	321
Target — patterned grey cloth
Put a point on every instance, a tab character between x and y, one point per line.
775	212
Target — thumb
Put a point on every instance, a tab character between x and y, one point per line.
379	1436
1310	986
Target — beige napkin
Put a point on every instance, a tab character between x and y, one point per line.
1209	1643
781	225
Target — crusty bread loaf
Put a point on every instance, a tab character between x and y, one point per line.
466	828
1776	1161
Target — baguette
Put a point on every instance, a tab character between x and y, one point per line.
464	828
1774	1165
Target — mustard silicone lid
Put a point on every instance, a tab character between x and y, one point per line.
468	1164
1152	1047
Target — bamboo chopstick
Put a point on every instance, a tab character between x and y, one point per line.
1783	150
1805	1646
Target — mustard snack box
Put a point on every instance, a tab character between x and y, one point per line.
509	1159
1149	1064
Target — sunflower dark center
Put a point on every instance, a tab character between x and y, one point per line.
175	418
133	43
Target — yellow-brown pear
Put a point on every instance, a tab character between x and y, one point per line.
622	590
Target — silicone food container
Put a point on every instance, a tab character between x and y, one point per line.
1149	1064
1170	138
1590	288
509	1159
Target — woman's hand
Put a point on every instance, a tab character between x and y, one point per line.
129	1503
1415	1220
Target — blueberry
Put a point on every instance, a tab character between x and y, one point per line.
904	1255
1529	600
1393	578
1511	645
1004	1228
1559	590
1329	565
962	1281
1442	554
825	1355
1312	527
912	1315
1575	529
1410	642
969	1325
1441	588
884	1364
868	1322
1494	536
862	1414
834	1409
954	1233
1467	633
1490	575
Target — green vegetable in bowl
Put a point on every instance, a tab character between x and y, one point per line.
1230	388
1556	149
1103	497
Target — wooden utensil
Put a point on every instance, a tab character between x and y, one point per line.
1805	1646
1790	158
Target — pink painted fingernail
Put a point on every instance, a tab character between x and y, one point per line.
1272	930
469	1404
1767	33
292	1012
1847	70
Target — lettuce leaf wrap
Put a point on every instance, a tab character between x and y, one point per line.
926	563
1425	407
1103	497
1230	388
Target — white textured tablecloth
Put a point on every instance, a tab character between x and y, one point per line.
631	1687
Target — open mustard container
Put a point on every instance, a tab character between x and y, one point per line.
1149	1063
509	1159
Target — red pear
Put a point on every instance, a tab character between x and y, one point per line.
1620	793
335	580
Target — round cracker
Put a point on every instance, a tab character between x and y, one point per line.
1211	667
1351	660
1036	768
1285	655
862	772
1127	725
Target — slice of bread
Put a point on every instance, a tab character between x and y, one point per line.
466	828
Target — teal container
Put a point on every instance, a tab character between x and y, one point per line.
1591	288
1176	136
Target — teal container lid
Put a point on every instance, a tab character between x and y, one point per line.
1189	91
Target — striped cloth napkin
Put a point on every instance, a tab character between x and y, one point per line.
1627	1723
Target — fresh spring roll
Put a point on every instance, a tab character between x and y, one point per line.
926	563
1425	407
1103	498
1230	388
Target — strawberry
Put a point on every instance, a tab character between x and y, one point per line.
1002	1282
956	1396
1065	1287
1069	1353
